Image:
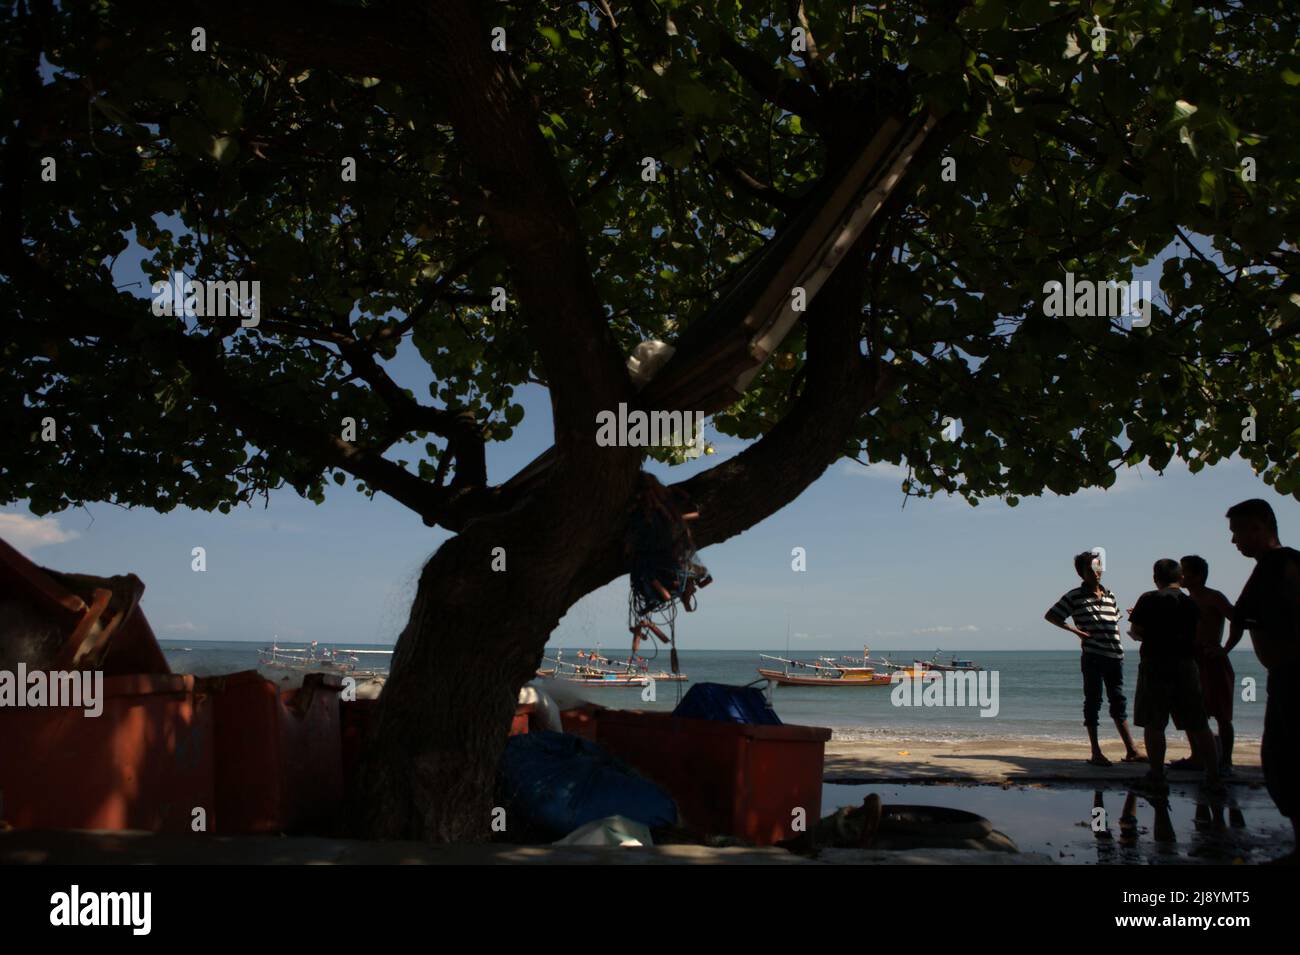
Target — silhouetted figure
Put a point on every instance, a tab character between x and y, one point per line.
1128	822
1096	623
1162	829
1218	680
1269	607
1164	620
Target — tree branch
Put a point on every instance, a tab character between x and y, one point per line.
812	60
841	386
773	86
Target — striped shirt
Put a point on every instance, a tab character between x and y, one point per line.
1097	615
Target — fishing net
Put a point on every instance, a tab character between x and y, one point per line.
665	569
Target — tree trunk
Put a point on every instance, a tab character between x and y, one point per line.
476	634
446	709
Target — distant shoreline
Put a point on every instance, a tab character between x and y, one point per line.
178	642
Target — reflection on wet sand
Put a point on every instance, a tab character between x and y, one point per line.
1119	825
1218	834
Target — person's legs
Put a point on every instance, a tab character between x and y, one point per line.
1151	713
1186	701
1279	750
1189	762
1226	687
1092	683
1113	674
1154	736
1205	741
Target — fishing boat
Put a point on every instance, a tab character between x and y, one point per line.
820	674
316	659
585	674
862	664
596	670
953	664
639	666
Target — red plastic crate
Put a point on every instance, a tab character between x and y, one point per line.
356	722
727	778
278	756
146	762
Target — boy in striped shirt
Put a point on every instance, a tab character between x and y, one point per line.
1096	623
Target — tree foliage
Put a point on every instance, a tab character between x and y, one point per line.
227	163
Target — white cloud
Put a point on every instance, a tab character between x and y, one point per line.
934	630
26	533
876	469
187	626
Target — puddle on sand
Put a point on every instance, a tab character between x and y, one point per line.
1243	826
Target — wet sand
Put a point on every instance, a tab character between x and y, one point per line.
1007	761
1042	794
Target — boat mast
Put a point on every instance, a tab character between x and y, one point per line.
787	639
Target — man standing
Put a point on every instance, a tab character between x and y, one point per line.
1096	623
1165	621
1269	607
1218	681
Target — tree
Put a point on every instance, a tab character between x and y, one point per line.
1076	137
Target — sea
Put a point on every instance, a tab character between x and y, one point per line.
1039	692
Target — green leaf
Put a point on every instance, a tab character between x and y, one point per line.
983	15
224	149
695	99
552	36
220	104
190	136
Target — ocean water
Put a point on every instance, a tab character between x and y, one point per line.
1040	692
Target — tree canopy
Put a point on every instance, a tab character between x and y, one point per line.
1080	137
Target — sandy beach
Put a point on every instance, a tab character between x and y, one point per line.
997	761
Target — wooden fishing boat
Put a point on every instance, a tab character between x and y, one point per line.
586	674
312	659
864	663
596	670
820	675
953	664
639	667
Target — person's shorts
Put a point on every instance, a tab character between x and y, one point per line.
1218	685
1170	689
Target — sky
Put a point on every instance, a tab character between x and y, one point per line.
937	573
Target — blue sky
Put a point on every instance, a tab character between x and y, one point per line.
938	573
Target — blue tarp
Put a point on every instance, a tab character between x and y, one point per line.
728	704
559	782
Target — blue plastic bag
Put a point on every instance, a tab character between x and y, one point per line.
559	782
728	704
